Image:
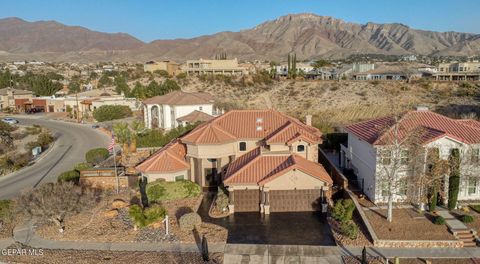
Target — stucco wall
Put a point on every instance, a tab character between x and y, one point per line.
362	157
166	176
295	179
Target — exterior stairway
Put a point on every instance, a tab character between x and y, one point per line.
459	229
467	237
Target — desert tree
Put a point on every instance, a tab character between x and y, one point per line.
401	157
53	202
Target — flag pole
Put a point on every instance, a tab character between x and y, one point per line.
115	165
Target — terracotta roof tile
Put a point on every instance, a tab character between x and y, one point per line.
379	131
250	124
255	168
181	98
195	116
170	158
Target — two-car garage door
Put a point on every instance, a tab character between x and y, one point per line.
280	200
295	200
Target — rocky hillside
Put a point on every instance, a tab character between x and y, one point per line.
309	35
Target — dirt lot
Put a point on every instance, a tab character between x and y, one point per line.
405	227
109	257
96	225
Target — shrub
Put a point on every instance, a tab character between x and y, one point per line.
136	213
155	192
111	112
82	166
5	209
343	210
44	139
143	218
222	200
439	220
433	200
350	230
95	156
467	219
68	176
454	180
154	213
189	221
162	190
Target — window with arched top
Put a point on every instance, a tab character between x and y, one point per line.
300	148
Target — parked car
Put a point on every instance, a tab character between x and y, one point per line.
10	120
95	126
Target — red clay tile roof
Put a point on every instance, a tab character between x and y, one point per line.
290	132
470	122
250	124
255	168
431	126
170	158
181	98
195	116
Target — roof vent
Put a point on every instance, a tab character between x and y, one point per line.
259	128
422	108
259	120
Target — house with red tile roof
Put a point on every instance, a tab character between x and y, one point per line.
370	144
178	108
267	161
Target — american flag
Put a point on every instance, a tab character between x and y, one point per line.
112	144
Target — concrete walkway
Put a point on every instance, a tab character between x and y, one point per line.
415	252
255	253
453	223
26	235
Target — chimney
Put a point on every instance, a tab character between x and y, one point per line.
422	108
308	120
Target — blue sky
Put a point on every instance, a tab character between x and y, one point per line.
149	20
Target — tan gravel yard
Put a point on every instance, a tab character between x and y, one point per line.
405	227
95	225
109	257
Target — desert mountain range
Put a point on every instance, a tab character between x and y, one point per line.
308	35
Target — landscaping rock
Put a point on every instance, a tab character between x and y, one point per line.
111	214
119	203
154	235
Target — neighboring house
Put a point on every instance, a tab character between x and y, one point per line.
171	67
388	73
458	71
202	66
164	111
368	150
362	67
282	70
321	74
266	160
18	100
87	104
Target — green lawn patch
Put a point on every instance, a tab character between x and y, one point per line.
162	190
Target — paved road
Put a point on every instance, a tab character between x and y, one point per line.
73	141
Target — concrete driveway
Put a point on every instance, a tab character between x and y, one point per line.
73	141
295	228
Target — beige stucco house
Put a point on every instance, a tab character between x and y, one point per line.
266	160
